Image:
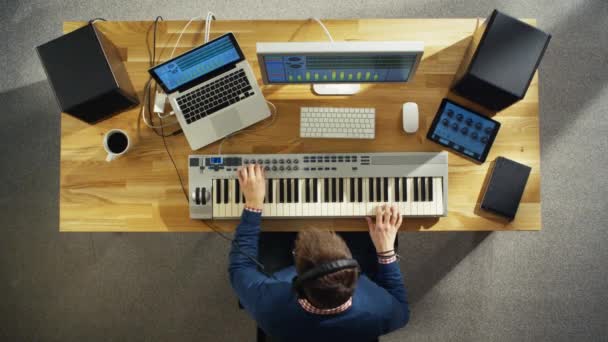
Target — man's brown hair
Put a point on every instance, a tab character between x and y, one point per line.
315	247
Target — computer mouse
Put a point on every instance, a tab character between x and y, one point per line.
410	117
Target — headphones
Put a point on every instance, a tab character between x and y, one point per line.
320	271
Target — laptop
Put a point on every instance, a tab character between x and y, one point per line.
212	91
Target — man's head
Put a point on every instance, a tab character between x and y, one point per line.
315	247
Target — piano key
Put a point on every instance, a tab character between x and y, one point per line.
267	205
439	196
325	198
289	192
397	187
346	208
390	190
275	189
427	204
341	190
359	190
369	193
334	192
404	191
292	204
318	187
370	189
237	192
218	190
299	197
307	190
231	206
352	191
270	194
281	197
422	189
378	189
315	187
430	188
296	191
409	207
416	197
225	191
385	189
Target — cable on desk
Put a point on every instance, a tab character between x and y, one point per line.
331	39
92	21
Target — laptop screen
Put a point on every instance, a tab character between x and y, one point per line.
206	61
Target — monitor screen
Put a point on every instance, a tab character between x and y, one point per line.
337	68
197	63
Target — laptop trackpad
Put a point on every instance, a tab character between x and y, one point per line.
226	123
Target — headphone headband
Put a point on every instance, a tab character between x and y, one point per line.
323	270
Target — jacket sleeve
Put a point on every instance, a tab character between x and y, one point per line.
246	280
389	278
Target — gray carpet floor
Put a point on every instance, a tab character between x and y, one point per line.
545	286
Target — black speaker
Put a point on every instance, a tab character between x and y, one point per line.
87	75
500	62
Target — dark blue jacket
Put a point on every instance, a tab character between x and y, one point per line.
379	306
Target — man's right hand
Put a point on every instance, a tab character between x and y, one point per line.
253	185
384	231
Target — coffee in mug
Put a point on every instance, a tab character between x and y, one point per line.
116	143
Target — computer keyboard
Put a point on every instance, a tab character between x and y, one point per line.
334	122
214	96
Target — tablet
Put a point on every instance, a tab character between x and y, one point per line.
463	130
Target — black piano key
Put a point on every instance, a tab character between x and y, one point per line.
370	183
352	190
237	191
334	191
281	191
218	191
430	197
296	190
360	190
378	189
415	189
289	192
423	189
226	192
307	192
397	186
341	190
315	190
404	189
385	180
269	195
325	190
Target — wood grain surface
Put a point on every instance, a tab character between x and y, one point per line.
141	192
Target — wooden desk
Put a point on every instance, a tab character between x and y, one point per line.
140	192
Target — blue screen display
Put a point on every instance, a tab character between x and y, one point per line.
338	68
464	131
197	63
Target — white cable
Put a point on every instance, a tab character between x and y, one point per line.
331	39
143	109
247	131
210	17
181	33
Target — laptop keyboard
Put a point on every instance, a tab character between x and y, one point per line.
215	96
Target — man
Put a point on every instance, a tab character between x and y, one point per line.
341	306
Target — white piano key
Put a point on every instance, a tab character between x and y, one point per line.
318	207
300	203
324	199
221	208
273	206
439	195
230	205
280	206
347	205
427	203
409	208
266	206
292	205
391	191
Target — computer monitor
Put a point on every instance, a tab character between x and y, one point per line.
338	68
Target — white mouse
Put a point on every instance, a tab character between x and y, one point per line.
410	117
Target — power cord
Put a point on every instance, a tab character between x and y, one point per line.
331	39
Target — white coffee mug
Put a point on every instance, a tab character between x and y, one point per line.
116	142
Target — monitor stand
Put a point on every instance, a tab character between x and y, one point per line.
336	89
